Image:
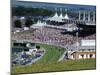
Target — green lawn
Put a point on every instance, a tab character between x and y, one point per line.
69	65
52	54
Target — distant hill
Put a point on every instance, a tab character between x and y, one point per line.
15	3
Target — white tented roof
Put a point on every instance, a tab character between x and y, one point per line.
38	25
55	18
55	15
66	16
61	16
87	42
58	18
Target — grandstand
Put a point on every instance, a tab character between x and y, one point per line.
85	50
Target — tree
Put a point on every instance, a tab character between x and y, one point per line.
38	47
28	22
17	23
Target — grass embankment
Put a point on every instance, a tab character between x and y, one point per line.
69	65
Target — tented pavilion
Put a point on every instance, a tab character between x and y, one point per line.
57	20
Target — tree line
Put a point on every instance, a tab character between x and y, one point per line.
29	11
27	23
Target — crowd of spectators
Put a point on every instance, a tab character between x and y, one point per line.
51	35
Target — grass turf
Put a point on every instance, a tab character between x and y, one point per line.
69	65
52	54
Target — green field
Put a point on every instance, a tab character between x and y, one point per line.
69	65
52	54
49	62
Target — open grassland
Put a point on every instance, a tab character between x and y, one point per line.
68	65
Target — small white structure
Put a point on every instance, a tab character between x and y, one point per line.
17	31
28	45
26	28
33	51
22	18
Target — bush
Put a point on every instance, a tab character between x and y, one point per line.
38	47
28	22
18	23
